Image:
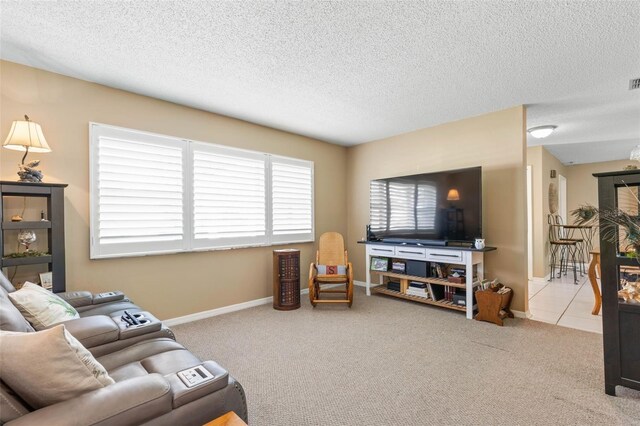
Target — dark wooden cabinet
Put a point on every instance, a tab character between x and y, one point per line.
620	319
54	224
286	279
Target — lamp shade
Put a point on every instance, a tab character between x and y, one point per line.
453	195
26	134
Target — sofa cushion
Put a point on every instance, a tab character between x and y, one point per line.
48	366
111	309
41	307
10	317
139	352
11	405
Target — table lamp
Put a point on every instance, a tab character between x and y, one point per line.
27	136
453	195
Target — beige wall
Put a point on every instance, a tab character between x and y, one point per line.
542	162
583	187
494	141
169	285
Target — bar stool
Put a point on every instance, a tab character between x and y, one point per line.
562	250
565	234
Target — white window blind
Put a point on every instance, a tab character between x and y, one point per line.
138	193
153	194
426	206
378	218
402	202
291	200
229	197
402	206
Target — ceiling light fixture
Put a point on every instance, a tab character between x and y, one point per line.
635	153
540	132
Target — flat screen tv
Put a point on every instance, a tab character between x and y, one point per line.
432	208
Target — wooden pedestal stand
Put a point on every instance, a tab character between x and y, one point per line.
286	279
493	306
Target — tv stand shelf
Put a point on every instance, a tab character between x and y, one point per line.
431	280
442	303
465	257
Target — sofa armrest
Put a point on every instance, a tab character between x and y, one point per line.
183	394
77	298
131	401
106	297
93	331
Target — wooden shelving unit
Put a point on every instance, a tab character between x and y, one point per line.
438	281
19	261
467	258
620	319
54	195
404	283
442	303
41	224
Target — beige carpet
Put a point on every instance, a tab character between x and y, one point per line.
392	362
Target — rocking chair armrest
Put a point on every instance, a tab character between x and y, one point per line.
313	270
350	271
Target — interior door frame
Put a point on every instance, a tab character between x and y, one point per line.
529	222
562	198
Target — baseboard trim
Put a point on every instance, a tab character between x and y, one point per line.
520	314
227	309
218	311
540	279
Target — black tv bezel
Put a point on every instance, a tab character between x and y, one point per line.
405	239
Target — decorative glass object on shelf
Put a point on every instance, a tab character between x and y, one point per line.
26	238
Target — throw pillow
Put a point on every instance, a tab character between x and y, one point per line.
332	269
49	366
41	307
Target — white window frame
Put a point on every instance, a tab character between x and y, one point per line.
206	244
188	243
297	238
97	250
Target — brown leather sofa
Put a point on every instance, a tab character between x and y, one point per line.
147	388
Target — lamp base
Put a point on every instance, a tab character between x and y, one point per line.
29	173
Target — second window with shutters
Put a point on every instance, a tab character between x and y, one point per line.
291	200
229	197
154	194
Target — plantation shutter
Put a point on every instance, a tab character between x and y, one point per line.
138	196
291	200
229	197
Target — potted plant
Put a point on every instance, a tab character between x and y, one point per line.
620	227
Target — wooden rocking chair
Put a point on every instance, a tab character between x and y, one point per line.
331	267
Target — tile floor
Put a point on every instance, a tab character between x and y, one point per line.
564	303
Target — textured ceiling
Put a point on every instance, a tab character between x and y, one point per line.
348	72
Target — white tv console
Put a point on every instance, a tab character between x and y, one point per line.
467	257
